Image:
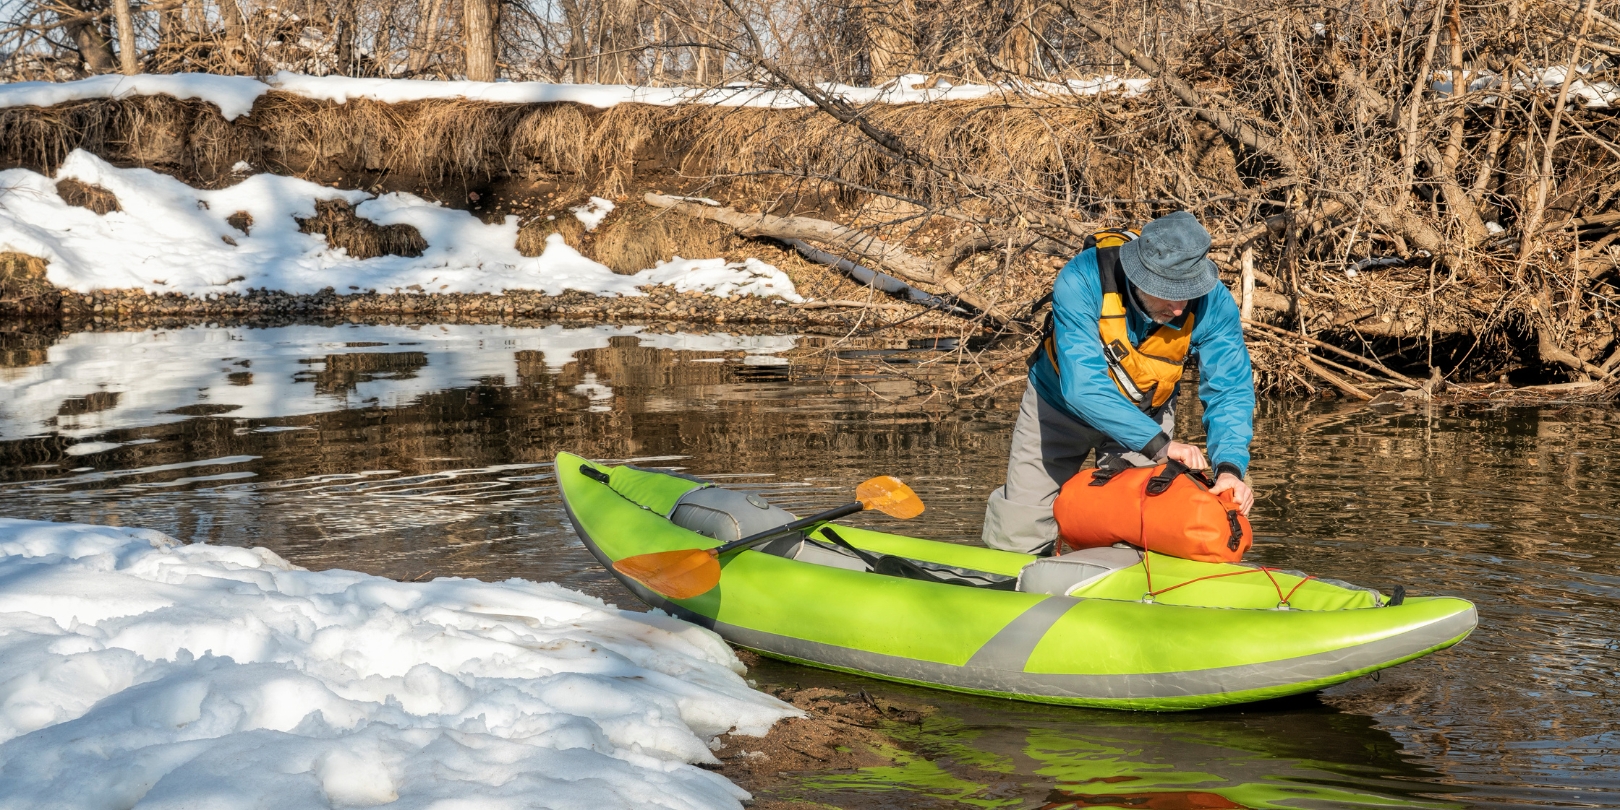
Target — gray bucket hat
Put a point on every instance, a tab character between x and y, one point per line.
1170	260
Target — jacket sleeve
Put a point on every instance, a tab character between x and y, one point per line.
1225	381
1088	391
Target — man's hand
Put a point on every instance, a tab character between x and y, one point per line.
1240	491
1187	454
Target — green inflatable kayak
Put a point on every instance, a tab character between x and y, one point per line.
1103	628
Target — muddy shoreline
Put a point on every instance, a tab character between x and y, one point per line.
841	732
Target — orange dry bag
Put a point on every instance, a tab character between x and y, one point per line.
1166	509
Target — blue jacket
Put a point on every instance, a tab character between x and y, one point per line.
1085	391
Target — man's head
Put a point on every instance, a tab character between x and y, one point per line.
1169	264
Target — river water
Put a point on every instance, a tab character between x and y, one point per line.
417	452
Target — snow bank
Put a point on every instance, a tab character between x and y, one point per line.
235	95
272	373
171	237
138	672
1597	95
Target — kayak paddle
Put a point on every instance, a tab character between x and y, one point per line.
689	572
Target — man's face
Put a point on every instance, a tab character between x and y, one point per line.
1161	310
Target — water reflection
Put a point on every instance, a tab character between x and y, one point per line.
426	452
975	752
93	382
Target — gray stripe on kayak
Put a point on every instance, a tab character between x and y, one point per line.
1011	647
1240	678
1013	683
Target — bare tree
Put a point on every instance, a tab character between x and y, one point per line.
478	32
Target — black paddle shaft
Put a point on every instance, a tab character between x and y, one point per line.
831	514
801	523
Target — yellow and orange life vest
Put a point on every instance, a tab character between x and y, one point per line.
1146	374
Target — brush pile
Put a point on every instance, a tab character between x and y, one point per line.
1420	184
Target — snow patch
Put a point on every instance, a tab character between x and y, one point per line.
170	237
138	670
1596	95
722	278
593	212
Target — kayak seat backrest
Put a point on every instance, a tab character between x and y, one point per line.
725	514
1062	574
797	547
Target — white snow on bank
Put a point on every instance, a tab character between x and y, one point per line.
235	95
722	278
1597	95
593	212
171	237
139	672
269	373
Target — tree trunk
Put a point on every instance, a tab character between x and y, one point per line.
91	37
890	51
1020	49
579	44
343	30
230	17
127	63
478	29
426	40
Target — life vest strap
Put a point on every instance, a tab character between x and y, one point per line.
1146	375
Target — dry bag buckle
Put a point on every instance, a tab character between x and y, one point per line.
1237	531
1105	473
1159	484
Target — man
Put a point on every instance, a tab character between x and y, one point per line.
1126	317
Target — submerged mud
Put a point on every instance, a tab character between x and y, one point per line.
842	731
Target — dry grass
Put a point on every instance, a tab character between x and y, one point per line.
87	195
362	238
637	236
23	287
743	149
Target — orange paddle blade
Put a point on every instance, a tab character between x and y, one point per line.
680	574
890	496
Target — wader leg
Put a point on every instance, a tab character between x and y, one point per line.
1048	448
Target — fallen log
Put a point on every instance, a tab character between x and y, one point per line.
1333	379
846	240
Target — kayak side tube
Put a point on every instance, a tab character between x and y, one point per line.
1100	653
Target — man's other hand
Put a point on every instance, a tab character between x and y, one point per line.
1188	454
1240	491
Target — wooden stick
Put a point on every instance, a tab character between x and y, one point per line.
843	304
1246	302
1338	382
1374	364
1348	370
